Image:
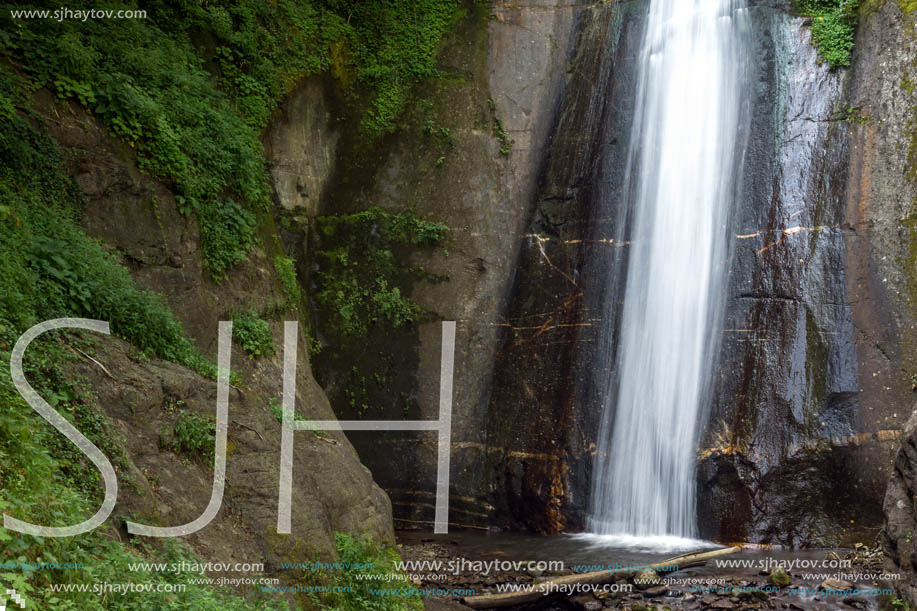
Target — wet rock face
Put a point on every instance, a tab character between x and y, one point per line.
787	454
790	453
785	392
780	459
555	314
818	344
301	143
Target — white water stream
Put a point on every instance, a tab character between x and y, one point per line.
681	186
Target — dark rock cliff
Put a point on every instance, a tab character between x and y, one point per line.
507	65
901	518
812	383
544	405
781	457
774	465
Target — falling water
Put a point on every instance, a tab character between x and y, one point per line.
682	165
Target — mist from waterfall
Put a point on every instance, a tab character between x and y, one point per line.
682	166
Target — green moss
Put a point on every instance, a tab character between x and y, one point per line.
869	7
910	261
911	166
363	279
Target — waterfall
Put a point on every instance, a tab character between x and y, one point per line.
680	183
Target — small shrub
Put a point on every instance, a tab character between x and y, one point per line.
195	435
314	344
227	233
370	566
275	408
362	278
253	334
833	28
286	273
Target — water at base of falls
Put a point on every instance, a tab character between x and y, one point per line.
657	544
680	190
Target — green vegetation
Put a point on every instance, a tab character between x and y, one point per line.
275	408
506	145
440	136
833	27
50	268
854	114
362	277
195	435
379	562
151	90
227	234
868	7
188	91
314	345
277	411
286	273
253	334
387	48
193	111
363	282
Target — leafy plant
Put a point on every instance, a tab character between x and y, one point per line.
195	435
286	273
253	334
275	408
362	278
227	233
314	344
502	137
369	567
833	28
